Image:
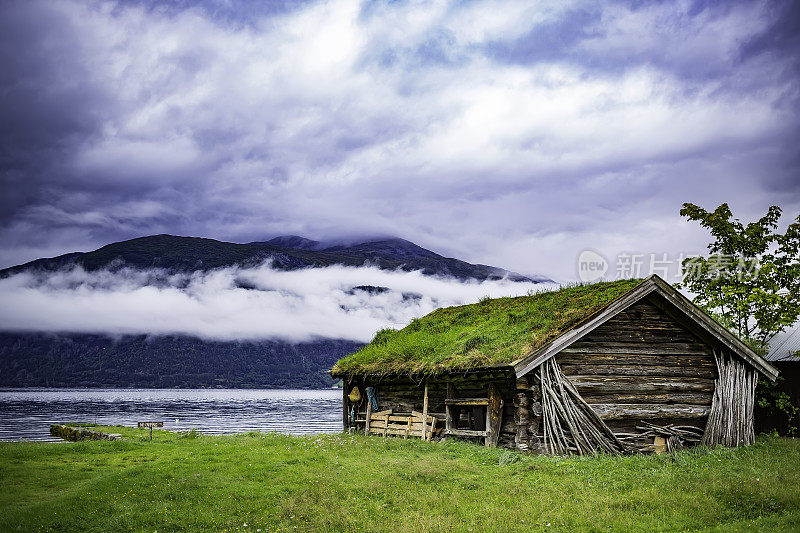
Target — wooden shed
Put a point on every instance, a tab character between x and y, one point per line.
623	366
784	355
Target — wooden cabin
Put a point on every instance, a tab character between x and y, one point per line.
619	367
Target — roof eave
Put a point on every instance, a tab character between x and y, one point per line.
727	338
421	373
652	284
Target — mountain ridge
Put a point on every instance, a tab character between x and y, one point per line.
289	252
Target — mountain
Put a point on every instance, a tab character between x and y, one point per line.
293	241
91	360
187	254
393	248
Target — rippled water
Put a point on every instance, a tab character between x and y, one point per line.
26	414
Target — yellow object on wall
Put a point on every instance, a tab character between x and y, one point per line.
355	395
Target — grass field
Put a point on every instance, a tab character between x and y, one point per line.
268	482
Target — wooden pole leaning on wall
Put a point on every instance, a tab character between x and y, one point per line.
425	410
369	417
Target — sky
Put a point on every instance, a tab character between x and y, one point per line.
516	134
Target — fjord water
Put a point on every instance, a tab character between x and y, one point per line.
26	414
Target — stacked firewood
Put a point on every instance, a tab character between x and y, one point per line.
570	425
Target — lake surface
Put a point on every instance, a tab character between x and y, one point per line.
26	414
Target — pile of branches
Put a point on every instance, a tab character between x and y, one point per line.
570	425
676	437
731	420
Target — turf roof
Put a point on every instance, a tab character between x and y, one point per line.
493	332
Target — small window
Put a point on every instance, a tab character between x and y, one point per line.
473	418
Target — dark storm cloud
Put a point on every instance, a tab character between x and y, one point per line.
501	132
49	101
782	36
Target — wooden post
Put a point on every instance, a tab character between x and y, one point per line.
448	421
494	415
369	417
425	410
345	414
534	441
522	415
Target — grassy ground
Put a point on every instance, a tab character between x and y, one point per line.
267	482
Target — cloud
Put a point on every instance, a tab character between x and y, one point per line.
235	304
506	133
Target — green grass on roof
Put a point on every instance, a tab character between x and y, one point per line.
489	333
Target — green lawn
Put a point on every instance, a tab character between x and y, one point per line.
350	483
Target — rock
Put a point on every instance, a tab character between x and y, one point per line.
76	433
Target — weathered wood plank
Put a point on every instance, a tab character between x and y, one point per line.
649	411
641	348
640	383
690	398
399	432
425	409
398	417
636	359
368	417
646	320
467	401
466	433
633	336
571	370
415	427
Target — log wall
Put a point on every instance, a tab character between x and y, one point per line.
406	394
642	365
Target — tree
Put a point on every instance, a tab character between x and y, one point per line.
750	281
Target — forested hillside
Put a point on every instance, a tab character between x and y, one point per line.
39	360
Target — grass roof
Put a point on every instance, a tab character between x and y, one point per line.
493	332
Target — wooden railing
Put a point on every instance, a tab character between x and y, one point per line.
413	424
